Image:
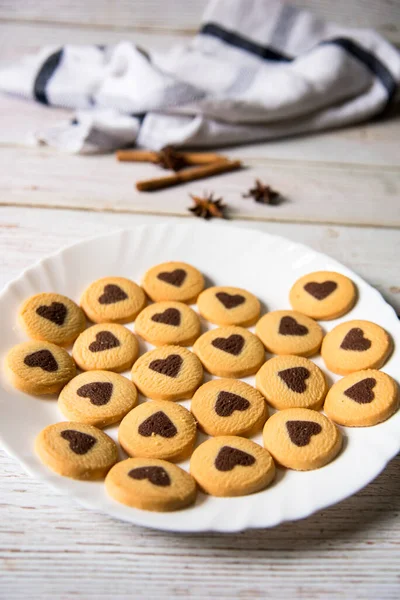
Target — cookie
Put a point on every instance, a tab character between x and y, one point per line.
97	398
292	382
158	430
229	407
76	450
107	346
230	352
323	295
151	484
168	373
362	399
173	281
356	345
301	439
228	306
231	466
289	332
39	367
113	300
52	318
165	323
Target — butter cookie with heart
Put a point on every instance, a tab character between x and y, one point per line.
97	398
158	430
53	318
229	407
39	368
151	484
173	281
76	450
106	346
165	323
292	382
113	300
362	399
168	373
323	295
289	332
301	439
356	345
225	305
231	466
230	352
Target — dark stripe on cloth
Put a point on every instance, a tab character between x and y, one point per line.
44	75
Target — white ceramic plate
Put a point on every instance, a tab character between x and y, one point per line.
267	266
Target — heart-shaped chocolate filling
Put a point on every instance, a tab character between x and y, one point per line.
289	326
158	423
112	293
361	392
229	300
79	442
295	378
99	392
170	316
354	340
232	345
105	340
169	366
229	457
156	475
300	432
320	291
56	312
175	278
43	359
227	403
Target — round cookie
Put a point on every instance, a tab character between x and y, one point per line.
229	407
289	332
301	439
113	300
362	399
323	295
39	367
108	346
173	281
165	323
158	430
231	466
230	352
292	382
53	318
151	484
97	398
356	345
76	450
168	373
225	306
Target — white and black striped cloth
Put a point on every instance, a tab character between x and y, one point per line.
257	70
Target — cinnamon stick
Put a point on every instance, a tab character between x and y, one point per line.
187	175
190	158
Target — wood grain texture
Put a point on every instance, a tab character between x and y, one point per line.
52	548
183	15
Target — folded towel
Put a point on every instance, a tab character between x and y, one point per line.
257	70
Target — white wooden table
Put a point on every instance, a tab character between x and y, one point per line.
343	199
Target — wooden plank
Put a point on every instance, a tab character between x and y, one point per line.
180	14
315	193
28	235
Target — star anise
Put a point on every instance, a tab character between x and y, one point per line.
207	207
169	158
263	193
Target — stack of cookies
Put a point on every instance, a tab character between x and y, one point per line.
159	432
